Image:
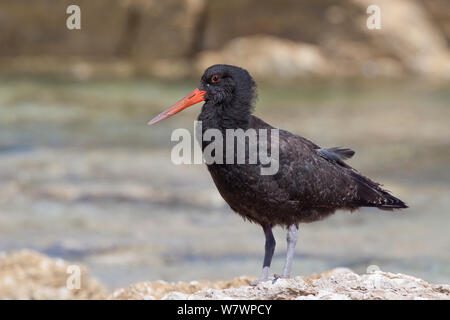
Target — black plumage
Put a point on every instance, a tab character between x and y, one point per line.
311	183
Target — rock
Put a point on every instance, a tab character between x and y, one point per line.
266	56
337	284
30	275
174	290
409	34
413	39
408	43
162	39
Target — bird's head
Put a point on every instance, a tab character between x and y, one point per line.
221	85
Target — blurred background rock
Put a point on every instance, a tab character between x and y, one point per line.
84	179
273	39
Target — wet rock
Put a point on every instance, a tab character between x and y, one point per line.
30	275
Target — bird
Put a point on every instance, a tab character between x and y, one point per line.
311	182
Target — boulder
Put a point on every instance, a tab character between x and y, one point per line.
267	56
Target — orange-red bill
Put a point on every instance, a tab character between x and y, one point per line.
194	97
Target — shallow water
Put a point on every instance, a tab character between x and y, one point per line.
83	178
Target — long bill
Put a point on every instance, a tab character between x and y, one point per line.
194	97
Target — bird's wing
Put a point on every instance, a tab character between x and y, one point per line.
312	177
319	177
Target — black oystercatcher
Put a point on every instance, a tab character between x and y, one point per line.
311	182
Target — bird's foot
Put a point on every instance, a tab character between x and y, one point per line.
261	280
273	280
281	276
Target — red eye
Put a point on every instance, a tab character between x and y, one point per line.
215	78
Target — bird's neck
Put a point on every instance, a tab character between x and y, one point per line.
232	115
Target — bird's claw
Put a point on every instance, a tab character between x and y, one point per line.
256	282
273	280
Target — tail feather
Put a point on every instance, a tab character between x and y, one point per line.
337	154
370	194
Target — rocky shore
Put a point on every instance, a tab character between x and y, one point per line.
30	275
294	39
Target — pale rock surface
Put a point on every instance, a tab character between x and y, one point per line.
174	290
28	274
337	284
